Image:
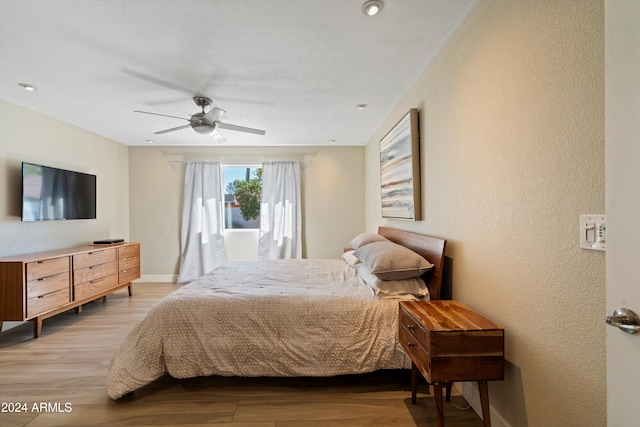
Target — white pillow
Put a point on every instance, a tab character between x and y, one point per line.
390	261
405	289
366	238
350	258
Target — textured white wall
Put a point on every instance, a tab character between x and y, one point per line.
332	193
512	130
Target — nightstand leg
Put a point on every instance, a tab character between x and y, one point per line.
414	382
484	400
437	394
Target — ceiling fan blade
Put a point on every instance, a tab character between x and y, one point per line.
163	115
171	130
214	114
240	128
217	137
157	81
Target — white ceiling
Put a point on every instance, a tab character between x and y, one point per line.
295	68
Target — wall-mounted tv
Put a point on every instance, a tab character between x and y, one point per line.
56	194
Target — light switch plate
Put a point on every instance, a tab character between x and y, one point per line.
593	232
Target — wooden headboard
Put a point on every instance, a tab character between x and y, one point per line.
429	247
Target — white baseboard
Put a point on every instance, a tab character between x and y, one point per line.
158	278
471	394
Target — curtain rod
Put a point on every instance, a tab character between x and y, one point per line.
240	163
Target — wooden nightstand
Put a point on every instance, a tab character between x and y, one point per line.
447	342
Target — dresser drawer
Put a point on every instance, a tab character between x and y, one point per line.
128	263
94	272
48	284
93	287
89	259
129	275
50	301
49	267
128	251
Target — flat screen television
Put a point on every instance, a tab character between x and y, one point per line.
50	194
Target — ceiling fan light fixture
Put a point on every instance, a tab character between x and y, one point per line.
372	7
201	124
203	129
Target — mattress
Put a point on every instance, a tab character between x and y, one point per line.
274	318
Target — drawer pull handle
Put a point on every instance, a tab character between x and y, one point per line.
411	327
40	296
410	344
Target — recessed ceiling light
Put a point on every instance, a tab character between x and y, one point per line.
361	106
149	141
27	86
372	7
332	141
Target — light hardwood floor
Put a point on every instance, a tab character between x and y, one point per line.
64	373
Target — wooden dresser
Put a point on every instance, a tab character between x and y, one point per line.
447	342
40	285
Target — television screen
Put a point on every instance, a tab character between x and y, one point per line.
56	194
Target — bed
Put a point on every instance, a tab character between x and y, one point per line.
276	318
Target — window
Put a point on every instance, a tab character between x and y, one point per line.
242	192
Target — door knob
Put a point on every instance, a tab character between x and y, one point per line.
625	319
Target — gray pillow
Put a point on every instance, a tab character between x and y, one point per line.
366	238
390	261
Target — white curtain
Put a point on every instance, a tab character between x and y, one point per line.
202	239
280	217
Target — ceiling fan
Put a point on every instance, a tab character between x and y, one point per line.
206	122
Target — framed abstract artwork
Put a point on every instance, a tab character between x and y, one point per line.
400	169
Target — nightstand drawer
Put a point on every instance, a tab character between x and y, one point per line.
415	328
416	352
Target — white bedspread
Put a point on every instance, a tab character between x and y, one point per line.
263	318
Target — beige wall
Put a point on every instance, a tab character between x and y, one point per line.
332	192
28	136
512	130
31	137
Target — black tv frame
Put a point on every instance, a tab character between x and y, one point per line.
77	189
